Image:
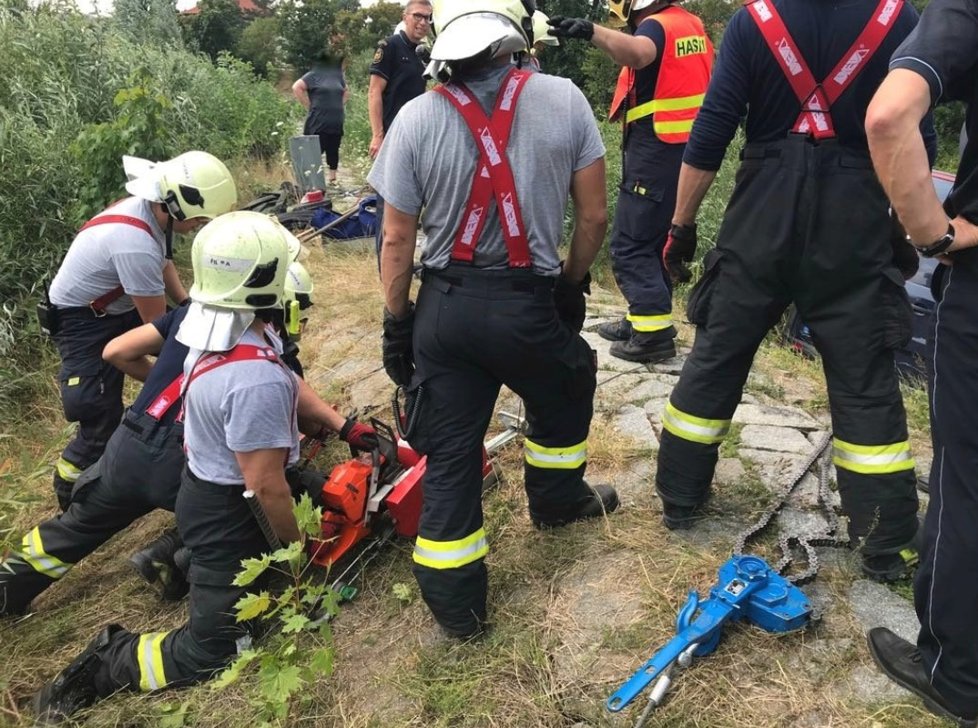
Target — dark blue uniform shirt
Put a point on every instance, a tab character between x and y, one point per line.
168	366
396	61
944	50
748	81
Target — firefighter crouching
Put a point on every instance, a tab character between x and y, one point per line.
666	64
808	223
117	275
240	421
495	306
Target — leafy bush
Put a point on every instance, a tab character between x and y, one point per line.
77	93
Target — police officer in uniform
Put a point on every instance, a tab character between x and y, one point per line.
938	63
495	306
807	223
396	77
140	469
241	406
666	64
115	276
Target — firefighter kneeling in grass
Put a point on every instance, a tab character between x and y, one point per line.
495	305
240	410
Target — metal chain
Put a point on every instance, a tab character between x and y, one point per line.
805	541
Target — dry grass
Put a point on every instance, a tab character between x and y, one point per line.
574	610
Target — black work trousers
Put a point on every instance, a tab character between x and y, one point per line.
806	224
946	586
91	389
138	473
646	203
474	331
217	526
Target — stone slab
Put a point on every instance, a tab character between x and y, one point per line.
874	605
759	414
729	470
634	423
777	439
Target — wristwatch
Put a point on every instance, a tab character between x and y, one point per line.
938	246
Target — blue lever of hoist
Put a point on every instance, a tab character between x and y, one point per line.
747	588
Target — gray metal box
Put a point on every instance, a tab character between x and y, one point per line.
307	163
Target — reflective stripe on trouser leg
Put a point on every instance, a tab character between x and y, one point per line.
872	459
692	428
67	471
555	458
149	655
43	563
451	554
648	324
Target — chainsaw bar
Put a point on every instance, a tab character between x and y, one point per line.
807	542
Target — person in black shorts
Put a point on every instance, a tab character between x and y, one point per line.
323	93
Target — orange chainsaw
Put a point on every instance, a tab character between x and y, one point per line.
377	495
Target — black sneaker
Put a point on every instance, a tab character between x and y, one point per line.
620	330
647	348
887	568
680	518
74	687
156	564
902	663
604	500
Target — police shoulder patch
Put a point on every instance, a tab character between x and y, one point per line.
379	53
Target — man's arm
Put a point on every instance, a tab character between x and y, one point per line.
589	194
314	413
634	51
128	353
264	475
172	283
693	185
301	93
397	258
150	308
375	106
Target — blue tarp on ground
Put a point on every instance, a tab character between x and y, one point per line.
362	224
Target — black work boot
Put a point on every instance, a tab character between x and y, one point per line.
155	563
74	687
620	330
604	499
62	491
902	663
888	568
680	518
648	347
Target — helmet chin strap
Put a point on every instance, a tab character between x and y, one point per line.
168	236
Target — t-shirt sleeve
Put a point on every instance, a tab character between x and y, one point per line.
943	46
259	416
591	146
165	323
308	78
140	274
393	173
383	60
654	31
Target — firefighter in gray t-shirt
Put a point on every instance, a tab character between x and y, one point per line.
116	276
496	306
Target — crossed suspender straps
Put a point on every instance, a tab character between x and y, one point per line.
173	391
816	99
99	305
494	175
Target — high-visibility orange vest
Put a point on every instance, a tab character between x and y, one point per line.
684	74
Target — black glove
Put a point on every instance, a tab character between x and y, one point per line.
679	251
569	300
398	351
562	27
359	435
905	256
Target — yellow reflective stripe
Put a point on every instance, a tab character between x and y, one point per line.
451	554
646	324
149	654
680	103
33	554
872	459
672	127
68	471
694	429
555	458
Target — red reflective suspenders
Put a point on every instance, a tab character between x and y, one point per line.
99	304
172	393
494	175
817	98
